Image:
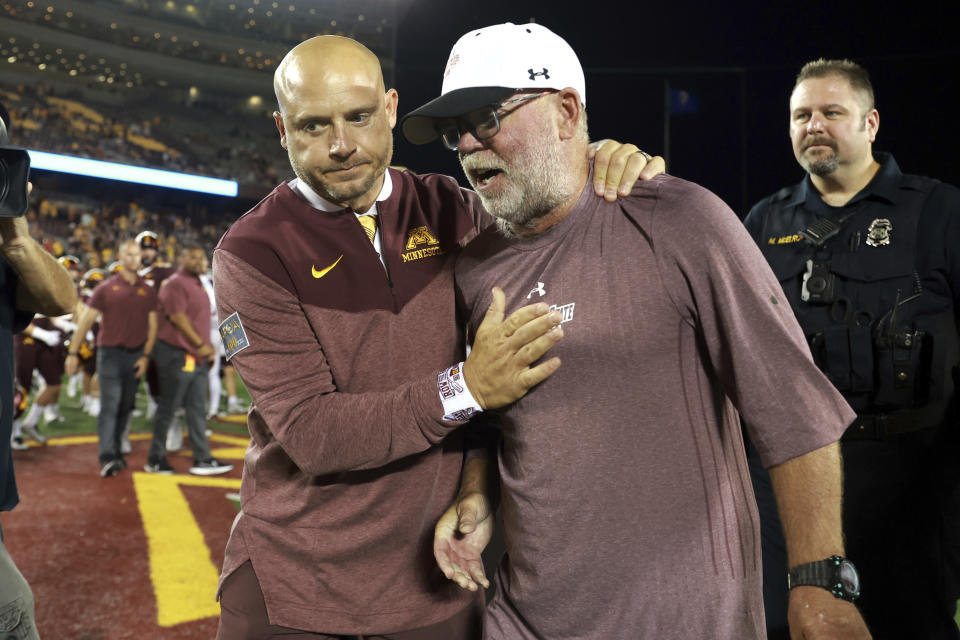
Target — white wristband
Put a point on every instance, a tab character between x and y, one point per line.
458	403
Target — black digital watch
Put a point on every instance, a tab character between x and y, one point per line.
835	574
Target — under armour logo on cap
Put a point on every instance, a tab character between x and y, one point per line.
488	65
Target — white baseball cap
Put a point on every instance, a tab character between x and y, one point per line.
489	64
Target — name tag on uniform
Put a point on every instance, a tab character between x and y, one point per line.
233	335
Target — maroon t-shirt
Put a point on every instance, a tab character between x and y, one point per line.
183	293
627	506
124	309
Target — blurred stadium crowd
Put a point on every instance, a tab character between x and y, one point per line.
91	230
89	223
65	121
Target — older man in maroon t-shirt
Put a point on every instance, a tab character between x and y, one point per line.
183	355
128	328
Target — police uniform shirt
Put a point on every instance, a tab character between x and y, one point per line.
897	247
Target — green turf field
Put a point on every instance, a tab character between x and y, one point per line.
76	422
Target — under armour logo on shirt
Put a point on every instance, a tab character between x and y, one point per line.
533	75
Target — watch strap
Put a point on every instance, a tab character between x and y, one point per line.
816	574
825	574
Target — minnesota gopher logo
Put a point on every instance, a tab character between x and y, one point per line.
878	234
415	249
418	236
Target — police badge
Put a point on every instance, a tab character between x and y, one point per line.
878	234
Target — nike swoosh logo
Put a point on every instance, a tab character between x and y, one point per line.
319	273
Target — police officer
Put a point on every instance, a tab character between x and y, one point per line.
869	259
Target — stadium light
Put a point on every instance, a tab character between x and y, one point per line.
129	173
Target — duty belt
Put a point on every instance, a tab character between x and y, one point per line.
880	426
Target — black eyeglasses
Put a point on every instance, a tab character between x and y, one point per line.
483	124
